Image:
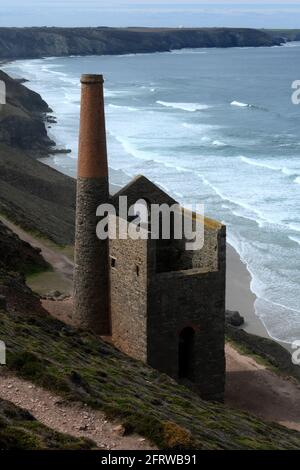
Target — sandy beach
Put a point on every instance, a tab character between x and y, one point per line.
239	295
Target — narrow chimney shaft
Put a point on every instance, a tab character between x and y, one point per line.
92	155
91	276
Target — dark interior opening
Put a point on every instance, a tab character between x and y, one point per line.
186	354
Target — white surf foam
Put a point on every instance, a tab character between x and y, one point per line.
240	104
219	143
187	51
295	239
269	166
191	107
294	226
125	108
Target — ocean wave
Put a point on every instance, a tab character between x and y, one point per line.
241	105
125	108
295	239
219	143
258	218
148	88
269	166
294	226
191	107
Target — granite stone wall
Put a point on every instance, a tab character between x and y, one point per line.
129	296
91	274
158	289
189	299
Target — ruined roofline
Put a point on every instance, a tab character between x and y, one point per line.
210	224
140	179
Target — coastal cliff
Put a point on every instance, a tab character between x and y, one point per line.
21	119
19	43
32	194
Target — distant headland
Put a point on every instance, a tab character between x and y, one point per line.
36	42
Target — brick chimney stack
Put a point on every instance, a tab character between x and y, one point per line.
91	276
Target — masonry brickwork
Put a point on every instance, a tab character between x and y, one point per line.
162	304
152	305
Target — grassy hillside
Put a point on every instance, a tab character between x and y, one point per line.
36	197
80	366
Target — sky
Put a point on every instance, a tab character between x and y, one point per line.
239	13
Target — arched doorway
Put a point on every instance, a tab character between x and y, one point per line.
186	353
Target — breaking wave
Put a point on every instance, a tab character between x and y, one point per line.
191	107
241	105
269	166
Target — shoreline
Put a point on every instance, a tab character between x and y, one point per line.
240	297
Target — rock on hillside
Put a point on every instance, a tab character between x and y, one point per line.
17	255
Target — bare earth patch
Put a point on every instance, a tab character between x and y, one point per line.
252	387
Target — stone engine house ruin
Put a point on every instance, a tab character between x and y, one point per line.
159	303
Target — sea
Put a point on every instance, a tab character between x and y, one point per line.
210	126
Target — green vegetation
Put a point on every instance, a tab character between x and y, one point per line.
79	366
19	430
44	282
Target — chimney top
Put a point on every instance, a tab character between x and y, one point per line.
90	78
92	153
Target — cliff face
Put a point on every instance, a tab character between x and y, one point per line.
21	119
43	42
32	194
285	35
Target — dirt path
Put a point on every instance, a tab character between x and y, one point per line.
253	388
60	262
74	419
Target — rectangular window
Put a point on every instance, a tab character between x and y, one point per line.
113	262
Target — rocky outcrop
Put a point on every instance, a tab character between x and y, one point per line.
18	258
17	255
234	318
43	42
15	294
22	119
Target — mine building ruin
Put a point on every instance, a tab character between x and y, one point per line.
158	302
